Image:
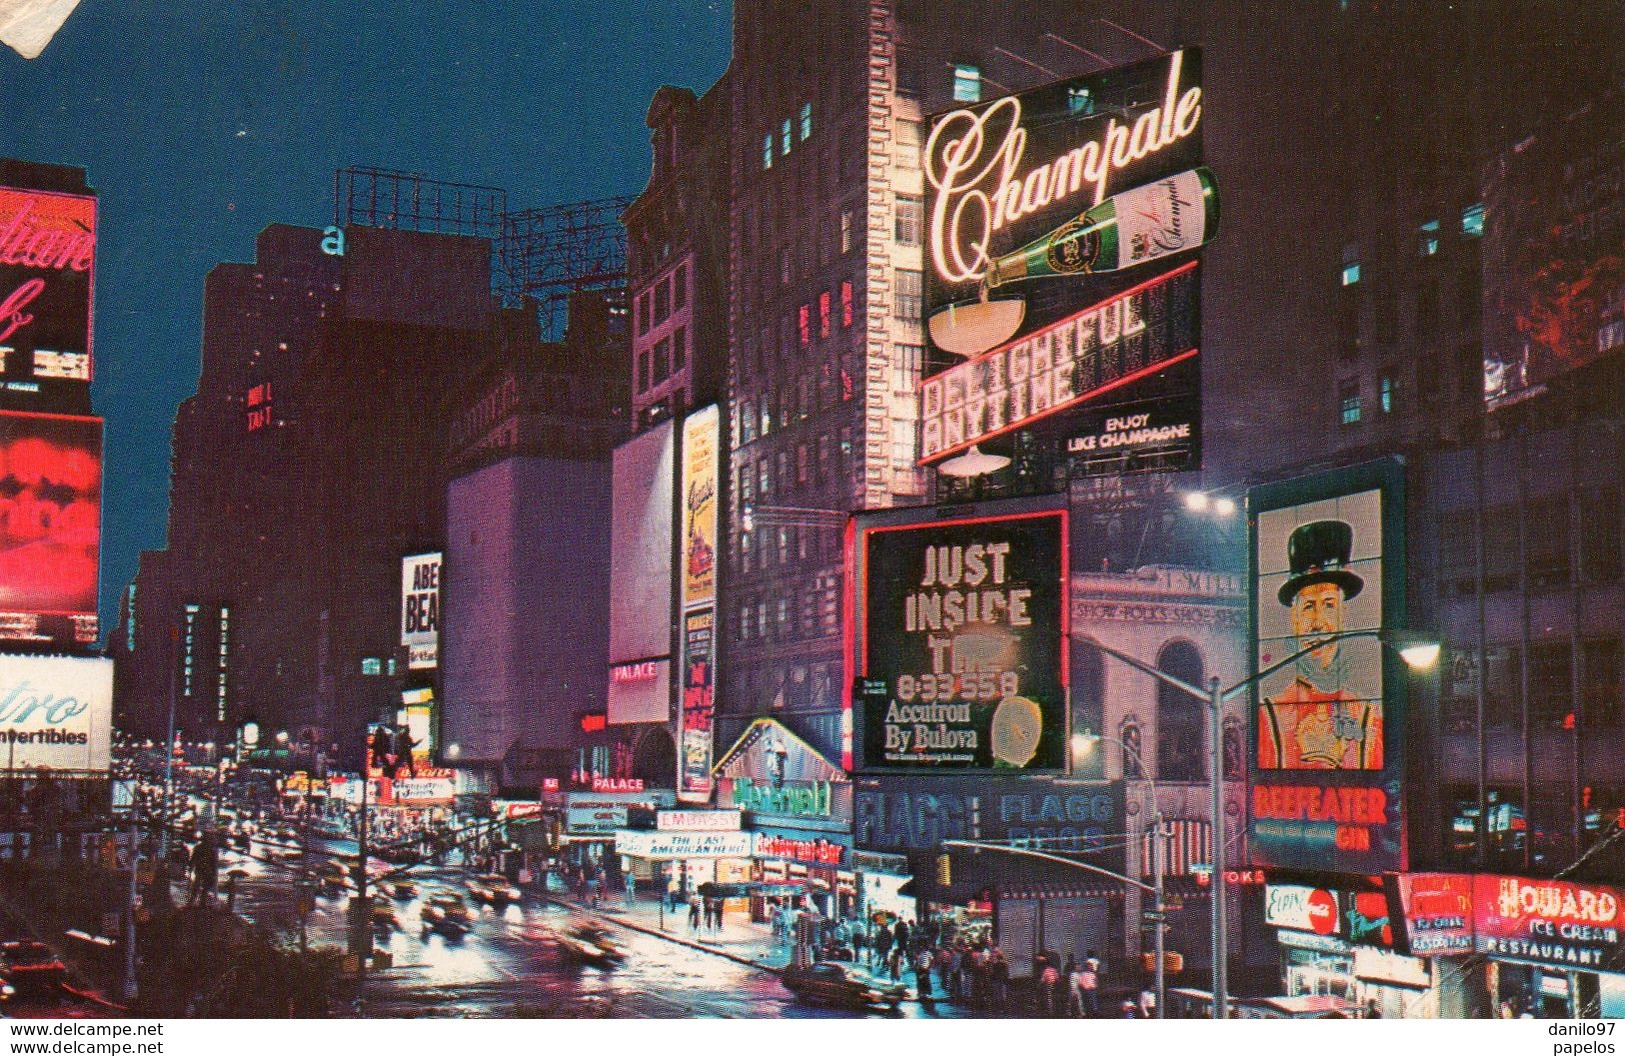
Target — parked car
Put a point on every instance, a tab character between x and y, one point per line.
32	966
841	983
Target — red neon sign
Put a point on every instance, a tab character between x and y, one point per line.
47	275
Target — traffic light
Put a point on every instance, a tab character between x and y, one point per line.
944	871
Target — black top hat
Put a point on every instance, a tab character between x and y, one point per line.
1318	552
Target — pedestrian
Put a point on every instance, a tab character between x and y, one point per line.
978	977
922	973
1130	1010
883	943
900	934
894	963
1089	984
860	943
205	868
1372	1009
945	970
1069	988
965	974
1148	1003
631	887
998	974
694	915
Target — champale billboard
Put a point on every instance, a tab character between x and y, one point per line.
961	657
56	712
1060	266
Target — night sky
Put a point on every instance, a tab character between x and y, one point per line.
202	121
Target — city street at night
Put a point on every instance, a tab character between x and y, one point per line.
843	510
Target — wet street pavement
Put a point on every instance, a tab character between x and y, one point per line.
507	964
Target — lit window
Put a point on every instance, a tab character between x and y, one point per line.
1351	274
1428	238
846	230
370	665
806	121
1472	220
1079	101
1385	393
767	151
1348	397
785	142
967	83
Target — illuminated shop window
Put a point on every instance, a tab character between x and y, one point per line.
967	83
1348	398
806	122
1472	220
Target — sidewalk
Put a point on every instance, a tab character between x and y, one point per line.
739	939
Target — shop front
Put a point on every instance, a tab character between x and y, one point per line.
798	805
686	861
983	893
1555	947
1340	943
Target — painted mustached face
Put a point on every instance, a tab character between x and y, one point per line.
1317	614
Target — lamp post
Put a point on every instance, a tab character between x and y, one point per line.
1417	653
1083	742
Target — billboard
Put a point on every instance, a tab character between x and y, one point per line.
640	692
701	472
56	712
420	610
50	526
417	715
640	551
1327	734
962	657
1061	228
1549	921
1554	253
1436	912
47	277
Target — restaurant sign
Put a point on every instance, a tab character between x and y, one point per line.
1547	921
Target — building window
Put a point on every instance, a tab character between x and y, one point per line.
761	619
679	349
785	140
910	214
784	266
908	143
679	287
1079	101
644	372
906	365
967	83
1181	718
767	151
662	303
1601	682
1427	239
806	122
744	623
662	360
908	294
1351	273
1472	221
846	304
846	231
823	315
1348	400
1385	393
1599	536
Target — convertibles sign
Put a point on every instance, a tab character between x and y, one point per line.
963	659
56	712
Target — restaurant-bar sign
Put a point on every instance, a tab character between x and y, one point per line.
1437	912
1548	921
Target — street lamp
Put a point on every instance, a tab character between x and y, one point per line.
1416	652
1082	744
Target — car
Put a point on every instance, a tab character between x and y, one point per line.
447	914
591	943
493	889
842	983
32	966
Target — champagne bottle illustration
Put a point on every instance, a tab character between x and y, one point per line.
1167	216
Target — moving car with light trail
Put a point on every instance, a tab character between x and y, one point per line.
840	983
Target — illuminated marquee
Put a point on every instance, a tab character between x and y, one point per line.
1086	355
817	851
